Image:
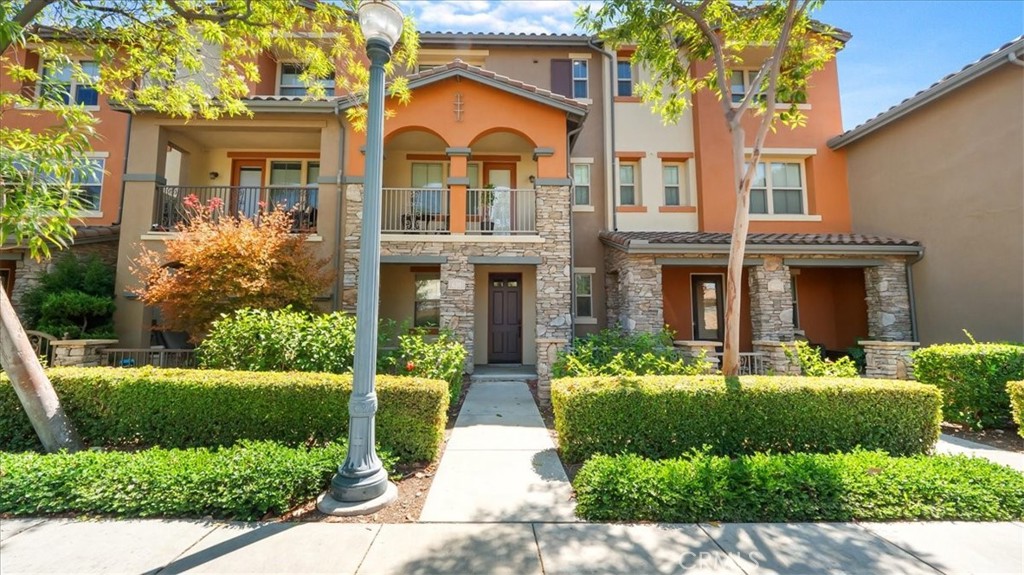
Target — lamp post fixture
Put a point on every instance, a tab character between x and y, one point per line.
361	484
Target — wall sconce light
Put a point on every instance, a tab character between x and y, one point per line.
533	179
214	175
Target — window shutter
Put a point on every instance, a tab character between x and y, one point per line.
561	77
28	88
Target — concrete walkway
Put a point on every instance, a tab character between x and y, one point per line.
164	547
956	446
500	464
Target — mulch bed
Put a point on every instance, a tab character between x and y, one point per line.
1008	438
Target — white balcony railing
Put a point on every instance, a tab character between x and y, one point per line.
501	211
416	210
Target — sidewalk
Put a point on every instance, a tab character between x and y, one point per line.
955	446
164	547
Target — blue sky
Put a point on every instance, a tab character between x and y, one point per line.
898	47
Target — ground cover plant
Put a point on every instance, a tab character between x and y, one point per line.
291	340
615	352
862	485
246	481
973	379
668	416
186	408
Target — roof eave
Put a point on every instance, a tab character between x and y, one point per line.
632	247
501	40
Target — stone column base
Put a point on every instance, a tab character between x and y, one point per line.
695	349
889	359
547	354
80	352
775	357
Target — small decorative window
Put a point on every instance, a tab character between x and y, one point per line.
89	181
624	79
670	181
581	178
427	307
580	79
292	85
627	184
584	295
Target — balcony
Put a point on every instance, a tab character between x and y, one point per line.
247	201
428	211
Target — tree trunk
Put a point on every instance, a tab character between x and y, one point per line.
734	271
34	390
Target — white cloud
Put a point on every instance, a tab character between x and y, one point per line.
508	16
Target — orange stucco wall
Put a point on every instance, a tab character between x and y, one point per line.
827	193
832	306
111	138
485	109
677	291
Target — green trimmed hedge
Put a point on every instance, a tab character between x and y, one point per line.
244	482
668	416
973	379
863	485
1015	389
180	408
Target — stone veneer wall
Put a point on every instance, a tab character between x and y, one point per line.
889	359
888	300
554	273
771	301
80	352
636	302
28	271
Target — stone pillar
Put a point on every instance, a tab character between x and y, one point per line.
353	207
547	354
695	349
554	273
889	359
80	352
771	301
888	299
775	357
458	286
638	296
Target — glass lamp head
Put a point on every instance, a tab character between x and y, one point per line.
380	20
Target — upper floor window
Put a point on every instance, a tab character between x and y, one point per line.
292	85
778	188
89	181
741	80
670	180
424	174
580	79
628	195
624	79
581	179
60	84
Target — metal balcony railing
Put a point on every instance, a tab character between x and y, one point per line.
501	211
416	210
246	201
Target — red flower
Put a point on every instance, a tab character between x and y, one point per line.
410	366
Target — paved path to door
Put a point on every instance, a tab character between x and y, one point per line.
955	446
500	464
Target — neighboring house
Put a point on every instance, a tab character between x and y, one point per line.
946	166
98	226
805	273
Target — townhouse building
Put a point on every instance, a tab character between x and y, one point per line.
530	197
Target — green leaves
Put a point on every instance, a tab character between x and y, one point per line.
861	486
669	416
973	379
1015	389
75	296
615	352
814	365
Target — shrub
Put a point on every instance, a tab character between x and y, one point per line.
813	365
289	340
204	408
1015	389
218	264
244	482
973	379
862	486
75	297
615	352
668	416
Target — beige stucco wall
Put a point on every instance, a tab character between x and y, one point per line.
952	176
529	318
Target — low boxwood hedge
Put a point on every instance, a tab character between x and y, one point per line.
1015	389
205	408
973	379
862	485
244	482
668	416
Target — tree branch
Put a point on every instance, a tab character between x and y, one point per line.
192	15
23	18
697	16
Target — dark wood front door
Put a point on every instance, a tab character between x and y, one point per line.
505	318
708	307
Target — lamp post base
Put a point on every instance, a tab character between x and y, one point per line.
330	506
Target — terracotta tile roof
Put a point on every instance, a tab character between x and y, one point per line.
92	234
627	239
950	82
459	67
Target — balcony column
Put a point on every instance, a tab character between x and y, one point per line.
458	184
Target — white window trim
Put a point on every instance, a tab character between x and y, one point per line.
304	172
769	203
589	184
277	78
41	71
683	183
747	73
637	197
573	58
576	295
632	77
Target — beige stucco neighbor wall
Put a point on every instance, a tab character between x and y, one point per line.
951	175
